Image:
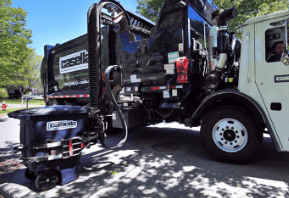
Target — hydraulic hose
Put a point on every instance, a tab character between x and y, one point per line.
113	100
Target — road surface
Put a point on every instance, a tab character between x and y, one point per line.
166	160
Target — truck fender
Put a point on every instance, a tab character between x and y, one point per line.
234	97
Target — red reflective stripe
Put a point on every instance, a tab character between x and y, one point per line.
82	145
173	87
155	88
69	96
70	148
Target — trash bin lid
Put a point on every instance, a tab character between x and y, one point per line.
26	114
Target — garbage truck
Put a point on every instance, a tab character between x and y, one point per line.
65	77
187	68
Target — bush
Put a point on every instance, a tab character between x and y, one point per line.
3	93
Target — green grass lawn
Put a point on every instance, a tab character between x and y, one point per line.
8	110
18	101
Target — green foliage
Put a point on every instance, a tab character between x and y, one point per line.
14	38
250	9
247	9
3	93
150	8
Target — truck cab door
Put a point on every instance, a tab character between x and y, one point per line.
272	75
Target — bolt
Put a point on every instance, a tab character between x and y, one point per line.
221	134
236	131
222	139
223	129
231	143
226	142
232	128
227	127
238	136
235	141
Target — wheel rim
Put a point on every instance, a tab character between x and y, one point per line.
230	135
47	180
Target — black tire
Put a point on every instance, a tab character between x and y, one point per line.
54	102
30	175
230	135
47	180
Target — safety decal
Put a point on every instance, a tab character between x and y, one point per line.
175	92
281	78
134	79
114	116
170	68
173	56
181	47
166	94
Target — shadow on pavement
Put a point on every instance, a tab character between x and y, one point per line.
137	170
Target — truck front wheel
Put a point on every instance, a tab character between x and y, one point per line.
230	135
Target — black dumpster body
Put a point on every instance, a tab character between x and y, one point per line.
51	140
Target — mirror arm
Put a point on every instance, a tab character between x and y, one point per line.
286	38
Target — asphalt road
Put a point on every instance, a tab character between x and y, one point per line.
143	169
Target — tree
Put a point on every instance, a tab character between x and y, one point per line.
14	38
30	78
150	8
3	93
247	9
250	9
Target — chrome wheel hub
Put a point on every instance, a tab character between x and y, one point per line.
230	135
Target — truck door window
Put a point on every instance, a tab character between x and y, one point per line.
275	43
199	30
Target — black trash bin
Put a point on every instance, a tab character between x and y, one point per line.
51	140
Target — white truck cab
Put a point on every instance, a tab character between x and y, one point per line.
267	82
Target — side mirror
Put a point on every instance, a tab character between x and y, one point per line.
285	59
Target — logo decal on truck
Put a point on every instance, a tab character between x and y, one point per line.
281	78
73	62
60	125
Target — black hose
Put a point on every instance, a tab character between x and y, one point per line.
111	96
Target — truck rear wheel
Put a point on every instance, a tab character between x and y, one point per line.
230	135
46	180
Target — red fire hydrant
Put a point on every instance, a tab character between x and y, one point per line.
4	106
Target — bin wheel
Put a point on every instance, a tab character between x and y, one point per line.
46	180
30	174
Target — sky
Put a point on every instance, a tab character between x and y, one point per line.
58	21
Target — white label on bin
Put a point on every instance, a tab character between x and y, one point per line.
60	125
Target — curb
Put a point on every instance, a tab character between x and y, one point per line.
8	190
